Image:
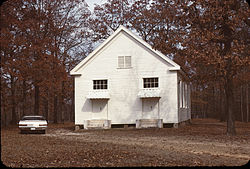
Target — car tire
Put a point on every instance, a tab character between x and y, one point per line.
23	132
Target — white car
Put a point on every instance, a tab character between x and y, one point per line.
33	123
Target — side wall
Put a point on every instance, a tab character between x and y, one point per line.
184	98
124	105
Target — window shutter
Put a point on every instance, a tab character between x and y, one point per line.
127	61
121	61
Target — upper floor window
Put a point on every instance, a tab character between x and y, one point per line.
100	84
124	61
150	82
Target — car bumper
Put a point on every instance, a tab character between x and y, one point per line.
32	128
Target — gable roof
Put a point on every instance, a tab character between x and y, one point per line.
121	28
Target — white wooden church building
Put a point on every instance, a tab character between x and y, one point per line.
126	82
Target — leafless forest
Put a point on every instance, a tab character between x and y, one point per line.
42	40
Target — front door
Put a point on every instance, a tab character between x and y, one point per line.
99	108
150	108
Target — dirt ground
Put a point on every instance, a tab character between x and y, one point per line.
201	143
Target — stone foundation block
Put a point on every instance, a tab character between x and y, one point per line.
148	123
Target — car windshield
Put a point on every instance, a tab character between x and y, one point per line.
33	118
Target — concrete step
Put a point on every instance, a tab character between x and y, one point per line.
149	123
97	124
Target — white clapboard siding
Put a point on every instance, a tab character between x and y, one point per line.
124	60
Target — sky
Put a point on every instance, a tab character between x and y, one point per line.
92	2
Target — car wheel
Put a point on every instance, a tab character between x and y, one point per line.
23	132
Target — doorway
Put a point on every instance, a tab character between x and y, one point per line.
99	108
150	108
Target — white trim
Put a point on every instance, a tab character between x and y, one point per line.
174	68
98	94
121	28
149	93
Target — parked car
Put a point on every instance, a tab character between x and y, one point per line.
33	124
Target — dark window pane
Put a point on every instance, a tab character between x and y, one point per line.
33	118
150	82
100	84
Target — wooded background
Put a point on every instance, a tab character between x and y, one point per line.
42	40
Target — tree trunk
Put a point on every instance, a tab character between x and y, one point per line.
241	103
59	108
55	109
36	108
247	104
62	109
213	101
2	109
229	103
24	98
73	101
61	104
13	102
46	108
1	95
222	106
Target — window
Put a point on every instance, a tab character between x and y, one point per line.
124	61
187	96
150	82
33	118
183	94
100	84
180	94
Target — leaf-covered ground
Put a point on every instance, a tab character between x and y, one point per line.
201	143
